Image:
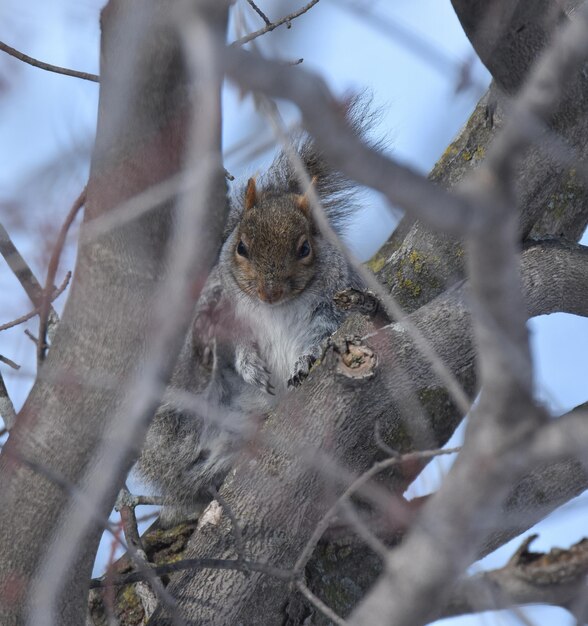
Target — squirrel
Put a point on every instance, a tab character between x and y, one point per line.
259	325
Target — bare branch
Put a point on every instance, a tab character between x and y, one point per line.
47	66
9	362
448	528
52	272
323	119
434	56
259	12
272	26
355	486
195	564
148	595
319	604
20	268
24	318
555	578
7	411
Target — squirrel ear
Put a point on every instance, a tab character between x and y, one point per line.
303	204
303	200
250	194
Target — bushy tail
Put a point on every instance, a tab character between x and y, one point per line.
337	193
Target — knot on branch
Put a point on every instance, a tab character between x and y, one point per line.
355	359
557	566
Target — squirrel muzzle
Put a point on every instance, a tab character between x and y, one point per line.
270	293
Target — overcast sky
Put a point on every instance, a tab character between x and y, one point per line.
408	55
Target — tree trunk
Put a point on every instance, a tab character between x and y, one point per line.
106	326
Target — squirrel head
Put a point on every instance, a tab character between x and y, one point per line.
273	255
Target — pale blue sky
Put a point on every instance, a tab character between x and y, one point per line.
47	124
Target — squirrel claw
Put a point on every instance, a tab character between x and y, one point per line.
302	368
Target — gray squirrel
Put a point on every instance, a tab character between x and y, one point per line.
260	323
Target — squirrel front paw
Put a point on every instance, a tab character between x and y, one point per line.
204	325
301	370
251	367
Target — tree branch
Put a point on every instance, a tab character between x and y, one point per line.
7	411
258	497
24	318
273	25
47	66
556	578
52	272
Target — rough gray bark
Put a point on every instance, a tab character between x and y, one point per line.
106	325
555	578
260	492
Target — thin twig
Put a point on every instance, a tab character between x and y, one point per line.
35	311
381	443
6	407
145	569
20	268
110	592
51	272
320	605
259	12
355	485
420	47
362	530
146	500
193	564
136	550
47	66
9	362
272	26
30	335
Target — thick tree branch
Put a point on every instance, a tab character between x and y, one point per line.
324	120
268	535
507	35
556	578
448	531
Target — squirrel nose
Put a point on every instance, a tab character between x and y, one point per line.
270	294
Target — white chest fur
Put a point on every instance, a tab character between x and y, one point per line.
282	333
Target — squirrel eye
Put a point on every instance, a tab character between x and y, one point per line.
242	250
304	250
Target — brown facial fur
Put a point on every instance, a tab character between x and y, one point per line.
272	232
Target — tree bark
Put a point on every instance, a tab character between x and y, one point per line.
99	346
